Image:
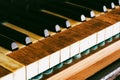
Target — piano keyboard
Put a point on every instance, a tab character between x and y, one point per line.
36	42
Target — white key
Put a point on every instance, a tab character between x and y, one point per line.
84	44
44	64
74	49
109	32
101	36
54	59
32	70
65	53
92	40
116	28
20	74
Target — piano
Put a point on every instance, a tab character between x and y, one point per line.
57	39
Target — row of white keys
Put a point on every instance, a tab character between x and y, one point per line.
60	56
65	53
81	45
100	36
31	72
36	58
43	63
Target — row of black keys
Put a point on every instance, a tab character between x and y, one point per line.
93	4
38	22
97	4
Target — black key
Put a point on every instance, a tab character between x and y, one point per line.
50	25
31	21
16	3
36	15
62	11
41	23
41	16
108	3
117	2
95	5
20	3
8	43
30	26
15	35
5	2
87	12
68	7
5	10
